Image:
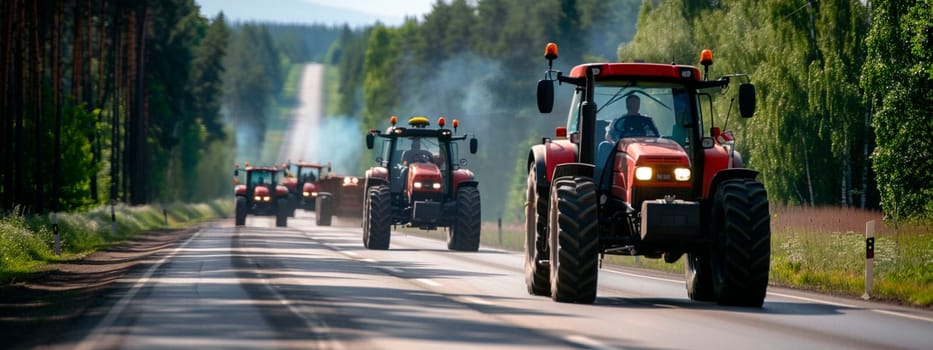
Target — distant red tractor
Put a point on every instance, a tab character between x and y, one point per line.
302	184
640	169
338	195
260	195
420	183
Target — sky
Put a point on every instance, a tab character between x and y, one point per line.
356	13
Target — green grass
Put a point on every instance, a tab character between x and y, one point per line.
806	253
27	242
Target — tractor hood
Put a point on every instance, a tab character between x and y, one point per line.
309	187
261	191
423	176
654	149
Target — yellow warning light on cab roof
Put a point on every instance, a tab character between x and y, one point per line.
419	121
706	57
550	51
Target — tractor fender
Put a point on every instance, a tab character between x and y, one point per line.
547	156
376	176
728	174
239	190
573	169
470	183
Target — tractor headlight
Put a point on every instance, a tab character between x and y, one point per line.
418	185
350	180
266	198
257	198
306	193
682	174
314	194
643	173
436	185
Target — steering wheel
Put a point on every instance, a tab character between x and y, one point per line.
626	127
424	157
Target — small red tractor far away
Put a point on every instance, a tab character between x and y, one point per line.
420	181
302	182
338	195
260	194
642	169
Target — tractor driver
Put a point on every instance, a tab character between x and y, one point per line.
632	124
416	154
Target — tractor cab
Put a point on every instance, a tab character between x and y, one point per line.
640	168
419	182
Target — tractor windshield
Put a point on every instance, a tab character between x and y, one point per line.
638	109
308	174
261	177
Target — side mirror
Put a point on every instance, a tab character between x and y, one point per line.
370	139
236	172
545	96
473	145
747	100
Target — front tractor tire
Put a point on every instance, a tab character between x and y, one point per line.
741	255
240	211
281	212
465	233
377	218
537	275
323	210
574	240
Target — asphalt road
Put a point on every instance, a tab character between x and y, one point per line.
316	287
312	287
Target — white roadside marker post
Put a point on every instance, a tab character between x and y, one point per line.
869	257
55	233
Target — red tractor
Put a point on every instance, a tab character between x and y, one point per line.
338	195
420	183
634	172
303	185
260	195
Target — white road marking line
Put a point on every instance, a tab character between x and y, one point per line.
586	342
352	253
428	282
813	300
473	300
900	314
368	260
90	342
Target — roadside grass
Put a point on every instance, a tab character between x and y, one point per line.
27	241
821	249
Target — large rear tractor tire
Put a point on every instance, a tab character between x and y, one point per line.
741	255
537	275
377	220
281	212
323	209
574	240
464	235
240	212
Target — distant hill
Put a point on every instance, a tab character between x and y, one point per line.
291	12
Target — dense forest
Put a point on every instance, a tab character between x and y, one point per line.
133	101
144	101
844	86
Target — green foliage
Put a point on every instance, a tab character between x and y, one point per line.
26	242
899	87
